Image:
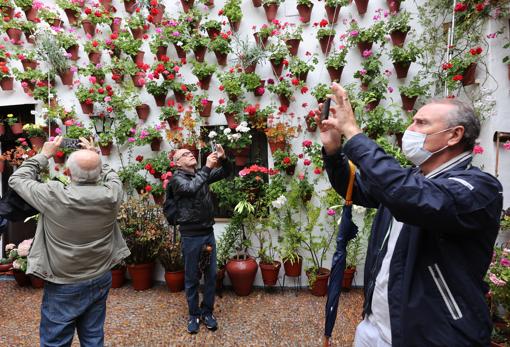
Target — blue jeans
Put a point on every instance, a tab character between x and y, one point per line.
79	305
191	249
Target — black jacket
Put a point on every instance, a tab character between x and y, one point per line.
195	210
436	288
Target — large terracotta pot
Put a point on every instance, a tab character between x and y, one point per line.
231	120
270	272
141	275
293	269
320	286
333	13
118	277
398	37
284	101
257	3
234	25
21	278
181	53
175	281
95	57
143	111
305	12
173	123
335	74
271	11
36	282
31	13
29	64
251	68
348	277
138	57
361	5
87	108
130	6
277	68
221	58
212	32
242	274
161	52
276	145
157	17
7	83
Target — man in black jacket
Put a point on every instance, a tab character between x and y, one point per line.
433	236
195	217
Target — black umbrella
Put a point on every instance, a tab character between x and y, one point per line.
346	232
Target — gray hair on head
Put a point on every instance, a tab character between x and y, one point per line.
84	166
462	114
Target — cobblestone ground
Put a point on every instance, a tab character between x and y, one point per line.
158	318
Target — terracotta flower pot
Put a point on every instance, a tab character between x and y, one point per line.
260	41
251	68
320	286
290	170
305	12
270	272
160	99
302	76
7	11
28	35
31	13
257	3
241	156
143	111
14	34
158	16
55	23
213	32
173	123
72	16
21	278
17	128
87	108
8	266
361	5
118	277
242	274
277	68
141	275
73	51
333	13
137	33
29	64
234	25
206	110
200	53
364	46
161	52
139	79
187	4
231	120
407	102
401	69
284	101
271	11
293	45
2	130
293	269
181	53
7	83
221	58
393	5
67	77
335	74
116	24
276	145
138	57
326	43
175	281
130	6
89	27
348	278
37	142
371	105
179	96
156	144
469	75
36	282
106	149
95	57
107	4
398	38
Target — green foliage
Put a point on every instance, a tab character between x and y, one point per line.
337	59
415	88
283	160
128	44
232	10
247	53
398	21
320	91
325	32
394	151
231	82
407	54
203	70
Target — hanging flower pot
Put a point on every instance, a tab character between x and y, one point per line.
257	3
73	51
31	14
270	272
206	109
2	130
271	10
143	111
106	149
173	123
156	144
302	76
7	83
305	12
160	99
130	6
284	101
251	68
138	33
293	269
139	79
55	22
364	46
59	158
371	105
14	34
87	107
36	282
29	64
180	96
158	13
259	91
320	286
88	27
326	43
293	45
118	277
469	75
37	142
200	53
348	278
141	275
161	52
231	120
234	25
393	5
117	76
260	41
17	128
67	77
401	68
107	4
21	278
408	102
242	274
277	67
95	57
333	12
213	32
290	170
221	58
187	4
335	73
181	53
276	145
116	23
175	281
242	156
8	266
7	11
398	38
72	16
138	57
361	5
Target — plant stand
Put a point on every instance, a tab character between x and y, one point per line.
296	283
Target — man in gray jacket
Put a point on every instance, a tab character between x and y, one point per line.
76	244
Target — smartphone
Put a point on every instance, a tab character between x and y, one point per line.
213	146
325	109
70	143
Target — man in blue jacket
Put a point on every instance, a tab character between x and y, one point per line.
433	236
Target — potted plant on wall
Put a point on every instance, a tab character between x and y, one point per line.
304	8
105	142
333	7
6	79
325	35
252	83
271	8
94	48
198	44
411	92
204	72
232	10
171	113
398	27
35	134
278	57
231	84
15	124
320	92
284	89
402	57
364	38
278	135
143	227
202	105
170	257
285	161
247	55
292	35
150	136
462	68
233	111
370	69
238	141
335	63
220	45
300	68
212	27
69	42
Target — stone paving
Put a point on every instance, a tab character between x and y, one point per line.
158	318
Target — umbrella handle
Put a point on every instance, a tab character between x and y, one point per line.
350	186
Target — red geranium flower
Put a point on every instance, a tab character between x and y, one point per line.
458	78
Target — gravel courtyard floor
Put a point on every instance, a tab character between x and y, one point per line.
158	318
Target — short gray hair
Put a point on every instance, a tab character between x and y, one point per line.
462	114
80	175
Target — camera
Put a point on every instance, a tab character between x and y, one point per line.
70	143
325	109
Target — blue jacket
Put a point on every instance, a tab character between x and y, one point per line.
436	288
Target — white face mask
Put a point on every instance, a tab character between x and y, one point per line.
413	143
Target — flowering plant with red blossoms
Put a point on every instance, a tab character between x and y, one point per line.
455	68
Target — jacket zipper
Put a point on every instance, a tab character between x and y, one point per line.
445	292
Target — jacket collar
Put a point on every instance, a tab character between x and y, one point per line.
186	173
463	161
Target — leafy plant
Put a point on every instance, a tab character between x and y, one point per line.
337	59
320	91
283	160
203	70
298	66
415	88
407	54
221	44
398	21
232	10
247	54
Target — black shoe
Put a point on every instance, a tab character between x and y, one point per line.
210	321
193	324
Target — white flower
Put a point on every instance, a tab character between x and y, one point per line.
9	247
16	265
358	209
24	247
227	131
279	202
179	43
236	137
212	134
